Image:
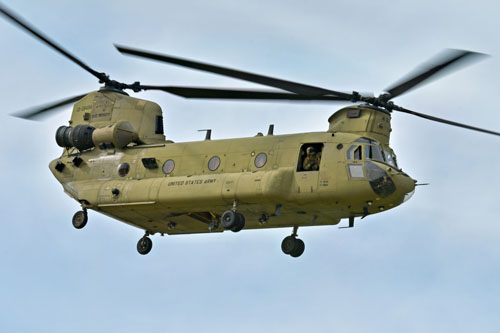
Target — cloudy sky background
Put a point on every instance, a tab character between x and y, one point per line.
431	264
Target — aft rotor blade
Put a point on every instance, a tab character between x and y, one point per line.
434	68
294	87
23	24
39	111
445	121
214	93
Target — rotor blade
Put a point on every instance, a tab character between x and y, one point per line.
432	69
20	22
213	93
39	111
294	87
444	121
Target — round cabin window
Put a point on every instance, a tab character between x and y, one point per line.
214	163
260	160
123	169
168	167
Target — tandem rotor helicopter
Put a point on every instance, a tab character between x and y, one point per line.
117	161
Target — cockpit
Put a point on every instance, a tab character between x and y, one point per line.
361	156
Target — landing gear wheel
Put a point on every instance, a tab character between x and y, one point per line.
240	223
144	245
298	249
229	219
293	246
288	244
233	221
80	219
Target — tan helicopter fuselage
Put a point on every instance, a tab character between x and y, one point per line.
134	175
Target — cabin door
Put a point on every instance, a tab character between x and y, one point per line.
328	173
308	168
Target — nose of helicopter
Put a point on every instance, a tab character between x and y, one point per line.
405	185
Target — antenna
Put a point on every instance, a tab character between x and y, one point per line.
270	131
208	136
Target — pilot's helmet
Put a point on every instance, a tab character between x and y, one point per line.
310	150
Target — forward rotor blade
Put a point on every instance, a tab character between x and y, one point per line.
213	93
433	69
444	121
20	22
40	111
294	87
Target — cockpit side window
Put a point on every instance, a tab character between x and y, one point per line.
354	153
310	157
375	153
357	153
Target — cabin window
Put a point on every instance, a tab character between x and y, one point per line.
260	160
149	163
354	153
123	169
168	167
214	163
310	157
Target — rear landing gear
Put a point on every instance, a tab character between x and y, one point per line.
144	245
292	245
80	219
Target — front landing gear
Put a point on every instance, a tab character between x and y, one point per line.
80	219
144	245
292	245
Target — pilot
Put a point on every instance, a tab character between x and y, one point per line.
311	162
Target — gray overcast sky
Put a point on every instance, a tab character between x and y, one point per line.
431	264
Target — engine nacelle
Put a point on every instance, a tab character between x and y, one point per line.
106	107
84	137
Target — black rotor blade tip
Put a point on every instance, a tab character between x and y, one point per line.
38	112
445	62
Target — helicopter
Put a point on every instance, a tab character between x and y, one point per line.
117	161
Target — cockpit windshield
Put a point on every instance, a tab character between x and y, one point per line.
373	151
378	154
390	159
